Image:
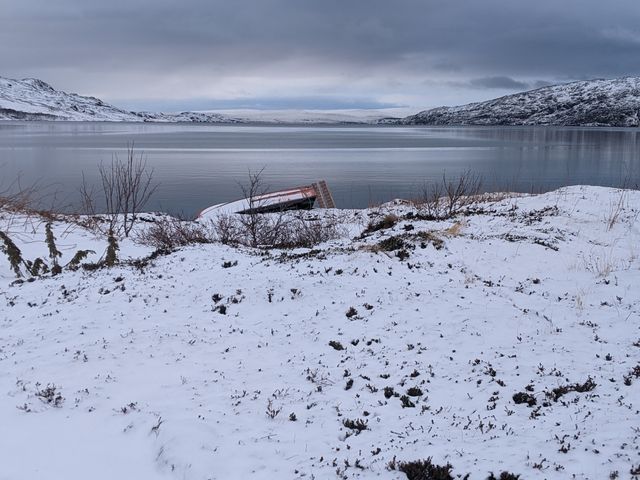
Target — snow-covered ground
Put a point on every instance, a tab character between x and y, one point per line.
156	380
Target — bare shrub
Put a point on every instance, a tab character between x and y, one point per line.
125	187
616	208
227	229
253	223
15	201
280	229
445	199
168	233
307	232
26	207
602	264
274	230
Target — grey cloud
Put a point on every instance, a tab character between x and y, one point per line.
193	48
542	83
501	82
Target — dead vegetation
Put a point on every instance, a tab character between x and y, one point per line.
388	221
280	230
558	392
35	268
448	198
124	188
423	469
169	233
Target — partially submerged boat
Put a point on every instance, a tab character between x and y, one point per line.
298	198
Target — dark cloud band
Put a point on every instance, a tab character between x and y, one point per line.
163	48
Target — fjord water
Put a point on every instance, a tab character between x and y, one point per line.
199	165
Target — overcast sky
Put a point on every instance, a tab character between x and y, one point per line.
204	54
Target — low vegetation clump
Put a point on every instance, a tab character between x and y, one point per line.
51	396
523	397
406	402
423	470
391	244
430	237
352	312
283	230
280	230
504	476
169	233
388	221
414	392
558	392
633	373
358	424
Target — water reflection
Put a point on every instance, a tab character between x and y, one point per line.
198	165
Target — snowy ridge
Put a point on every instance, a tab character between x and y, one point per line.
32	99
341	116
613	103
332	362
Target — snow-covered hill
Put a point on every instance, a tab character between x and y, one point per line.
590	103
614	103
505	340
33	99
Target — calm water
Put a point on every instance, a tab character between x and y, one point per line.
199	165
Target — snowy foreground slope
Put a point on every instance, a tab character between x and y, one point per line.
613	103
156	380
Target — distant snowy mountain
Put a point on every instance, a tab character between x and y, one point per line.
337	116
33	99
614	103
192	117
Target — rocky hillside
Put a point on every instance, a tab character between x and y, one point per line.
33	99
613	103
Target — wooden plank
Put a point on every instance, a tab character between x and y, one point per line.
324	197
